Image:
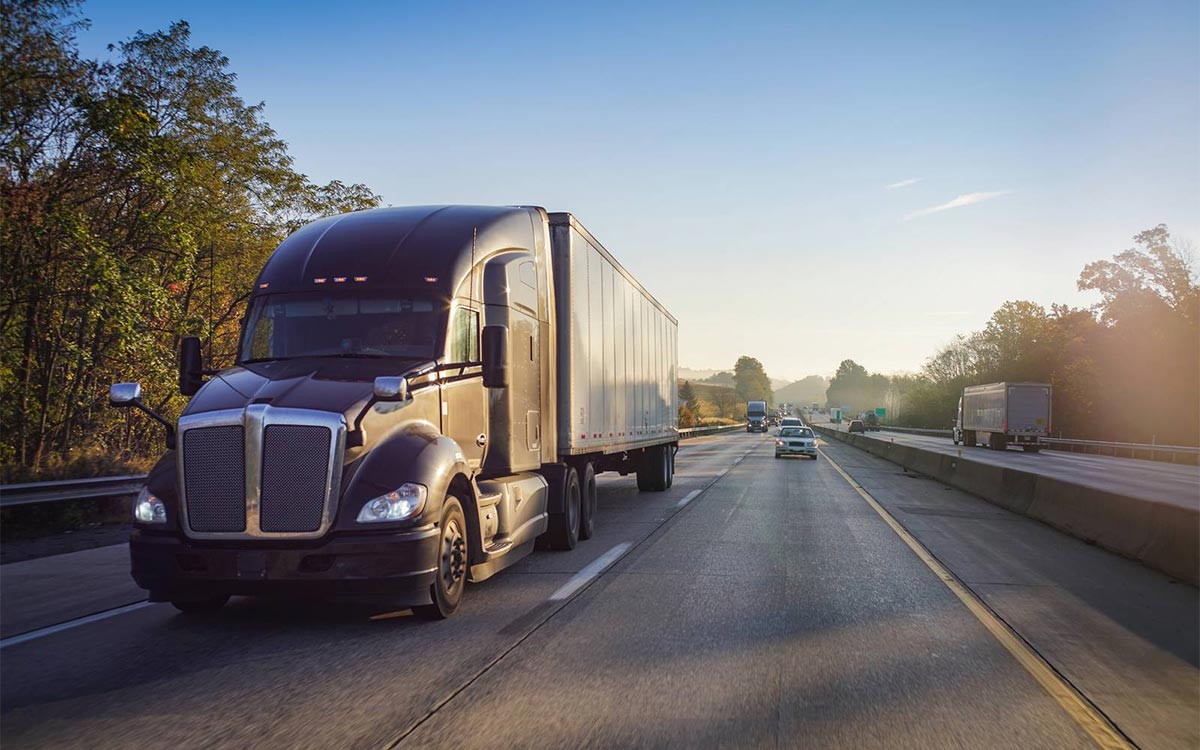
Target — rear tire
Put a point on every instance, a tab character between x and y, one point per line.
1031	448
563	533
654	470
446	591
204	606
587	516
969	439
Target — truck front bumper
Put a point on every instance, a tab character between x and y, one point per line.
398	565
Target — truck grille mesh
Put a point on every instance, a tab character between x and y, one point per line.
295	472
214	475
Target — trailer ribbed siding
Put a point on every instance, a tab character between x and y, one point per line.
617	350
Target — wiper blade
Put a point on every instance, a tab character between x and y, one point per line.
256	360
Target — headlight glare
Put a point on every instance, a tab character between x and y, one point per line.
149	509
400	504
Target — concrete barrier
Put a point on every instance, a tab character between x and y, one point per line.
1163	536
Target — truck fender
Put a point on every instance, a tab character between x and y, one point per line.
415	452
163	483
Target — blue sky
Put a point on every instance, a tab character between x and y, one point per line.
737	159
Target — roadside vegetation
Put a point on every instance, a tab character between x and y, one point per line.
140	195
1127	369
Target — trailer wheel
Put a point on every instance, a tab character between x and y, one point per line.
446	591
969	439
207	605
654	470
1031	448
587	516
564	527
998	443
670	450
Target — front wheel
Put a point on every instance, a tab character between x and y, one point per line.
446	591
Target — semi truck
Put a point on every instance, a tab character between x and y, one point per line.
420	395
756	416
998	415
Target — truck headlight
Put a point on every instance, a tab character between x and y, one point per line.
402	503
148	508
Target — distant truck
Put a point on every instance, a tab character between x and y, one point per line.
756	416
998	415
419	395
870	421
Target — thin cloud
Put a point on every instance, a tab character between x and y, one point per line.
963	200
901	184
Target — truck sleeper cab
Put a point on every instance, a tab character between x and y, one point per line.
420	394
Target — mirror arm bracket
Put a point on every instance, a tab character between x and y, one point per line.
356	438
166	423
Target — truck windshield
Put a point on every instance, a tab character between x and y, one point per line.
319	324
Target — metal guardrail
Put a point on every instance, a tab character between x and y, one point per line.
31	493
918	431
70	489
1152	450
689	432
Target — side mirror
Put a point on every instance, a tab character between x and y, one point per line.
123	395
495	356
191	366
391	388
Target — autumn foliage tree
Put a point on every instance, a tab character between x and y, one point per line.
140	197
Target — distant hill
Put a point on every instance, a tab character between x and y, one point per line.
809	390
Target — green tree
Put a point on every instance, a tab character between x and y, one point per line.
751	381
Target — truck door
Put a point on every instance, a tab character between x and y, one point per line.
464	400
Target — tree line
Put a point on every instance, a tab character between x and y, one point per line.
140	195
723	396
1126	369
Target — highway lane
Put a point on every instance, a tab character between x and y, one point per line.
265	672
775	608
1150	480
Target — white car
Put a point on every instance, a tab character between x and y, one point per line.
790	422
795	441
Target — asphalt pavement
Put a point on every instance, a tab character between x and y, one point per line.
758	603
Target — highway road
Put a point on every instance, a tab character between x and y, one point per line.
1150	480
758	603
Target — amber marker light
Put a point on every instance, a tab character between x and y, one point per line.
320	281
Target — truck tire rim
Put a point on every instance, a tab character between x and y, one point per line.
453	556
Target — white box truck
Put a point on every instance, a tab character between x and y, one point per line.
998	415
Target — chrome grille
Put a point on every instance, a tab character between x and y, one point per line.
214	475
295	477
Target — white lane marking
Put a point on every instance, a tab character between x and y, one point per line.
688	498
593	569
35	634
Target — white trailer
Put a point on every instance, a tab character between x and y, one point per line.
617	353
